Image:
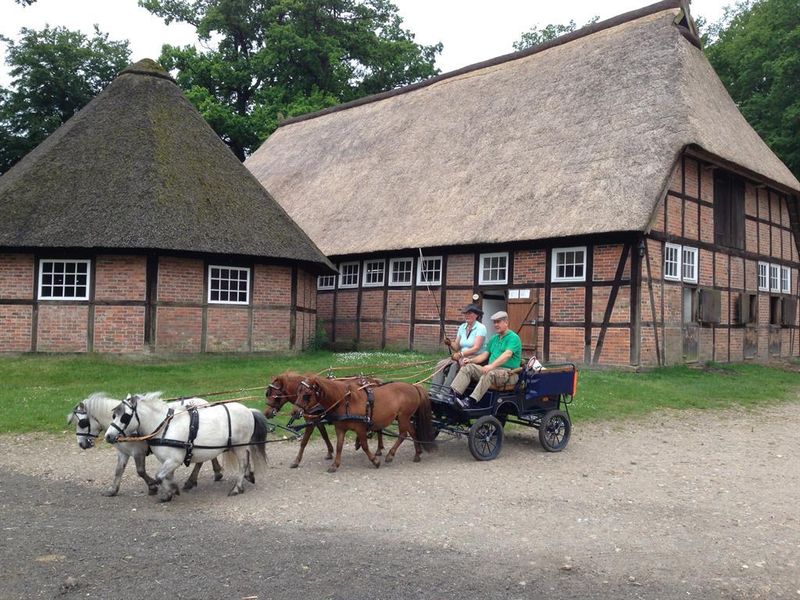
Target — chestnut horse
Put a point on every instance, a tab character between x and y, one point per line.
283	389
349	405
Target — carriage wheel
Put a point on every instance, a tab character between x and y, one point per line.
486	438
554	430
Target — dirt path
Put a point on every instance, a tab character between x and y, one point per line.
680	505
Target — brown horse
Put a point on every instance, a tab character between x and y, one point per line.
392	401
283	389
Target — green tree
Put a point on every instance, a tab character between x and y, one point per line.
755	49
536	36
54	73
273	59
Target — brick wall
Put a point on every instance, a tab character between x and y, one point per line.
180	280
529	266
15	328
62	328
272	284
118	329
228	329
120	278
179	329
16	277
460	269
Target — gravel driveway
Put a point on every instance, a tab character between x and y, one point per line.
693	504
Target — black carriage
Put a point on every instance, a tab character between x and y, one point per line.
539	399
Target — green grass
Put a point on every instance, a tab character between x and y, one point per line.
37	391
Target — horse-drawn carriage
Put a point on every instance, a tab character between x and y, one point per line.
538	399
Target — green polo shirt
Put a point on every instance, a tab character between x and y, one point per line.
509	341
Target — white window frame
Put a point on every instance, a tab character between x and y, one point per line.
367	263
775	278
694	264
554	264
392	263
763	275
64	261
786	280
678	262
420	279
229	268
326	282
342	274
482	280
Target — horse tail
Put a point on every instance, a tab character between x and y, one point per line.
424	421
259	437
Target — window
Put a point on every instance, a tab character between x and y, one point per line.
672	262
690	264
374	272
326	282
429	270
494	268
228	285
763	276
728	210
775	278
348	274
400	270
786	280
569	264
64	279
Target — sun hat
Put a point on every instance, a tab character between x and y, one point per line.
473	308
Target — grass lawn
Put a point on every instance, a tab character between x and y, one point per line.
37	391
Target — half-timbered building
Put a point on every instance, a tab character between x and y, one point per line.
133	228
602	187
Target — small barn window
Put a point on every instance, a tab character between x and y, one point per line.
672	262
569	264
774	278
326	282
690	264
494	268
729	224
400	271
429	270
228	285
374	272
786	280
763	276
348	274
64	279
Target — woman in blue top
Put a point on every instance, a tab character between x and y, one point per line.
470	341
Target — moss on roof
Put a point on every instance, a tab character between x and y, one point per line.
139	168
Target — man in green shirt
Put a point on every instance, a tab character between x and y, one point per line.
504	352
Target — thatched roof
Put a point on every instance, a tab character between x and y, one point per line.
573	137
139	168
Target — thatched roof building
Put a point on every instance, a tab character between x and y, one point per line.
576	136
139	169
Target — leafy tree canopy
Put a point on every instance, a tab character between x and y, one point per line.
265	60
54	73
536	36
755	49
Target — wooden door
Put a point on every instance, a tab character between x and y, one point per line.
523	315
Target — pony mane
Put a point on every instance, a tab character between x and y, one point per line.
150	397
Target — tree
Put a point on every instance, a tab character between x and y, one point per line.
755	50
54	73
279	58
536	36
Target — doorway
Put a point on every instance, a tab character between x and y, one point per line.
492	302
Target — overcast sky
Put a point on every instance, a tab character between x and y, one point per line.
471	30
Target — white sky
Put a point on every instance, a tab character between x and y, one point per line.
469	31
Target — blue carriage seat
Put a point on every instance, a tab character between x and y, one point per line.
550	382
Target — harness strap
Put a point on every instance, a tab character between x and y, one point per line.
229	424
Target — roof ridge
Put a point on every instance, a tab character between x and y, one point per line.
504	58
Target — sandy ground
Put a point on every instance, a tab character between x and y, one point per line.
691	504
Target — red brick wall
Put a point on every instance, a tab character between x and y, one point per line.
118	329
567	345
606	262
16	277
272	284
227	329
180	280
567	305
460	269
426	337
15	328
271	329
62	328
120	278
529	266
179	329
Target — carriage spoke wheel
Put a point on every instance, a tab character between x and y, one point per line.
486	438
554	430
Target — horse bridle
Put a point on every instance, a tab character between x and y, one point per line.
126	417
84	422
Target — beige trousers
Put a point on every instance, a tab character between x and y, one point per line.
472	372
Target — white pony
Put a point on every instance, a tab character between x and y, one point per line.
92	416
192	436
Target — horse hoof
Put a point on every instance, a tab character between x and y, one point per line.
379	453
152	491
164	497
389	458
294	465
416	458
377	463
236	491
189	485
217	476
331	469
329	456
250	477
108	493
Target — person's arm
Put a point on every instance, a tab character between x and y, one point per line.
472	349
477	359
504	356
